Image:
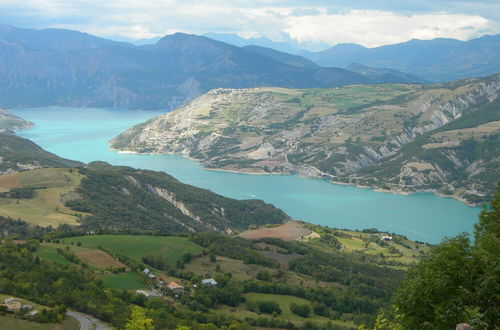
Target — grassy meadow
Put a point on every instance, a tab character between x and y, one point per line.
123	281
138	246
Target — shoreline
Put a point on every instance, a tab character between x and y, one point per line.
250	172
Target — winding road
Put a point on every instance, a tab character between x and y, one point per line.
87	322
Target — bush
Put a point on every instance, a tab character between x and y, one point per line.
268	307
302	310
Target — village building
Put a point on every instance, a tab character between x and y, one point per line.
146	271
386	238
13	304
175	288
209	282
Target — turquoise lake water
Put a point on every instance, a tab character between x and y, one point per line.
83	134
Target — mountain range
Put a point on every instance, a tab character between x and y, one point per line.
60	67
436	60
70	68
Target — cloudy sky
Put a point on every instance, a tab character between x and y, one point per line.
310	22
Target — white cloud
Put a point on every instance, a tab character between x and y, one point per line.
316	21
374	28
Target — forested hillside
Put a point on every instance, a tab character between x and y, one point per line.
123	198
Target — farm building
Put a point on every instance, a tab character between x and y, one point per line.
175	288
13	304
209	282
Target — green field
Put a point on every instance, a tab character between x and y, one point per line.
50	253
126	281
138	246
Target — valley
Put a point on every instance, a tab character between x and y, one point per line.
249	165
419	216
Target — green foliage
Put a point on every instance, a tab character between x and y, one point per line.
53	284
236	248
160	262
302	310
268	307
125	199
457	282
19	193
138	320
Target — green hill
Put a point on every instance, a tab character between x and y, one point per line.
21	154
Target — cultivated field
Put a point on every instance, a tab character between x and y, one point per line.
46	207
138	246
290	230
98	258
123	281
9	181
49	252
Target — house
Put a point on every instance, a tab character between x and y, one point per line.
32	313
146	271
13	304
175	288
209	282
386	238
151	276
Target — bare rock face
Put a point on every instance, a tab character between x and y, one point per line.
397	137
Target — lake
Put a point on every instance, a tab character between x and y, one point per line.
83	134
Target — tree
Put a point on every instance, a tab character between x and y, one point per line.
458	281
302	310
138	320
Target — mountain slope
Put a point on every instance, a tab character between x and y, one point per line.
294	60
336	133
17	154
435	60
123	198
372	74
386	76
